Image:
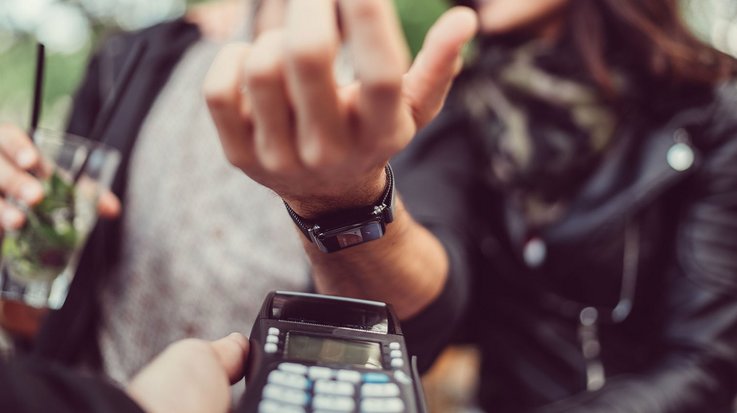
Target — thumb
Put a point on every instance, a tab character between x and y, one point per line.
232	352
429	79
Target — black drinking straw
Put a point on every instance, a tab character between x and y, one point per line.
38	87
113	101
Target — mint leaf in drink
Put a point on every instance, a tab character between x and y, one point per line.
43	247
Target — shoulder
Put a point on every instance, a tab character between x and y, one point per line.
707	238
709	116
722	123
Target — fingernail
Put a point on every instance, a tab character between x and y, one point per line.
31	192
237	336
11	218
240	338
26	158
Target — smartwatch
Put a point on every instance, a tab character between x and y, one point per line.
352	227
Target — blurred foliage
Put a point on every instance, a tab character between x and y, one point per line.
64	71
712	19
417	16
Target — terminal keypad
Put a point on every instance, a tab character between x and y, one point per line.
297	388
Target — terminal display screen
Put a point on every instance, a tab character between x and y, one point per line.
364	354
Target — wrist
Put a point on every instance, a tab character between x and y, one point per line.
358	195
344	228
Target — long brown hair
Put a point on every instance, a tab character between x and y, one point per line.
659	45
649	35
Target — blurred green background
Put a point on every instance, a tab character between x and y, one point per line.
71	28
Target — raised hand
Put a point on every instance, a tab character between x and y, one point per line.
284	121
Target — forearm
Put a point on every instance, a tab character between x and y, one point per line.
408	267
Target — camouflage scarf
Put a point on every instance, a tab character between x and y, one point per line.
542	129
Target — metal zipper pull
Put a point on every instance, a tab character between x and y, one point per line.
591	348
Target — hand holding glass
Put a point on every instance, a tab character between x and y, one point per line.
40	258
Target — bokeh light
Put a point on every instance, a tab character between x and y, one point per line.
63	28
67	26
71	29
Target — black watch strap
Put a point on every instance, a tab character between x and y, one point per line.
351	227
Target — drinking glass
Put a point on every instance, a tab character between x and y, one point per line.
39	260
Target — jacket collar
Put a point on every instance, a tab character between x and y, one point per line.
644	164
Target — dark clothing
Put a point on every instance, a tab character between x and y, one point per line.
636	217
37	386
70	334
674	354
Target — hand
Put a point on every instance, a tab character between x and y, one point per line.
18	157
191	376
283	120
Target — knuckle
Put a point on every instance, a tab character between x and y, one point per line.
277	164
272	158
265	65
213	91
221	87
14	184
240	160
259	74
387	84
218	98
365	9
245	111
7	173
236	158
310	57
235	135
317	157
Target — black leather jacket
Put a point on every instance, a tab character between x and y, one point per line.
652	234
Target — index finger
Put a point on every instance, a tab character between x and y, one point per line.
380	57
17	147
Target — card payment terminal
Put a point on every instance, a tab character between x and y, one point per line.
313	353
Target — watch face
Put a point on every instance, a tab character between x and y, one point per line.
353	235
349	238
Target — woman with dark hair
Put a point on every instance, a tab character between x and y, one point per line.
572	210
598	148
